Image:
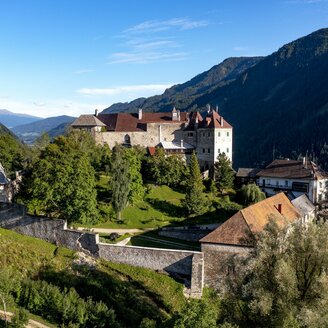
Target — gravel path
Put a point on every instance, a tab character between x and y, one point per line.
31	323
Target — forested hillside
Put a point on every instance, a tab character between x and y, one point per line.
183	95
277	105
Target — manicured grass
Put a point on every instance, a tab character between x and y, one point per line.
161	207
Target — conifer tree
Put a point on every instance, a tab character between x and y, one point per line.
194	201
120	180
223	172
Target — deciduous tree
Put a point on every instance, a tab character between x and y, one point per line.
62	183
251	194
284	281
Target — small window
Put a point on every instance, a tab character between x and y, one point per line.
228	134
277	183
127	139
203	150
203	134
190	134
219	150
209	150
227	150
209	134
286	183
219	134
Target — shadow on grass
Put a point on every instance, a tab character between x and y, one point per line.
152	239
103	194
130	299
166	207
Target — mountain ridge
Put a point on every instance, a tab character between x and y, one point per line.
181	95
278	106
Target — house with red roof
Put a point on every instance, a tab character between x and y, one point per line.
236	235
175	131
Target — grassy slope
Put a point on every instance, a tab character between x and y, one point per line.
161	207
132	292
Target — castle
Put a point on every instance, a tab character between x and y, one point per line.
177	132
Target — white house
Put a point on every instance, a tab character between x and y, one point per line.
295	178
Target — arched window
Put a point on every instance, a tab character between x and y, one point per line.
127	139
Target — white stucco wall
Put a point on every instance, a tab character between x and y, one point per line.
317	188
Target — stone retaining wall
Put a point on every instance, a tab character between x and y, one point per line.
180	262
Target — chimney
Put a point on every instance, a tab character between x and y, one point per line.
140	114
96	112
217	108
181	143
208	107
188	118
279	208
178	112
174	114
221	121
196	122
303	160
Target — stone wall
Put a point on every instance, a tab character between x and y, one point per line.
186	263
54	231
155	133
216	262
172	261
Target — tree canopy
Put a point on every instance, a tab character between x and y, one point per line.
194	201
223	172
120	180
284	281
62	182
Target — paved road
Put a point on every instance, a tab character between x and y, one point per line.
119	231
31	323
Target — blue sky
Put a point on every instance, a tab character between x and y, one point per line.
72	56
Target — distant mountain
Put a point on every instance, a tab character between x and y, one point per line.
29	132
10	119
12	151
183	95
278	105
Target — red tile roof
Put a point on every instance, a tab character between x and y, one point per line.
129	122
151	150
289	169
214	120
252	220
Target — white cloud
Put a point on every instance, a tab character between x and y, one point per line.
153	26
146	57
124	89
154	40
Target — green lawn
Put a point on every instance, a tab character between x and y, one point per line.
161	207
